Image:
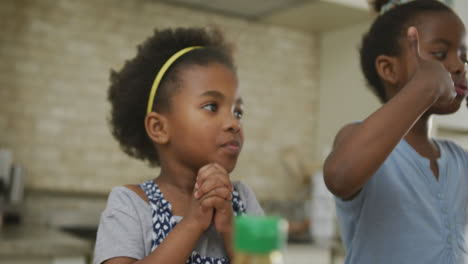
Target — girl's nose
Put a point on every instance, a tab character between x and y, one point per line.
233	124
237	127
459	66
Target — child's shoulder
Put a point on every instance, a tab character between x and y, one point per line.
248	197
451	146
136	188
126	195
447	142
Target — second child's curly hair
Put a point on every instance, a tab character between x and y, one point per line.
385	35
130	87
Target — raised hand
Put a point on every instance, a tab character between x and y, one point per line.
213	189
431	74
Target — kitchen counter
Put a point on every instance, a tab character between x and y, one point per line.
310	253
49	245
41	245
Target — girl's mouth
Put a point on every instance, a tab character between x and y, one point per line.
232	147
461	89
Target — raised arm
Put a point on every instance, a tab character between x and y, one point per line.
360	149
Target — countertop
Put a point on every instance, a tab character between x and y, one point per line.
20	241
312	253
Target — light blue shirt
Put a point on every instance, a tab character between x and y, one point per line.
404	214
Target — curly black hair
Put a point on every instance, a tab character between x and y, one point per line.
385	34
130	87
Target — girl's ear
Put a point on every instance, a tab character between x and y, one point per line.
388	69
157	128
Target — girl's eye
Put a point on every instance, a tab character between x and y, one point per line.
440	55
238	113
464	58
211	107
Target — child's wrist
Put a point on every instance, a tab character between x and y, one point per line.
227	237
420	87
193	225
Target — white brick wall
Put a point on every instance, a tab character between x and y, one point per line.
56	58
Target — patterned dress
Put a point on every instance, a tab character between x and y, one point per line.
164	221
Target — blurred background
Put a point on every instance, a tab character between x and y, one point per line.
300	78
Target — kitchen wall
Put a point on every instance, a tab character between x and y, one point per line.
56	58
344	96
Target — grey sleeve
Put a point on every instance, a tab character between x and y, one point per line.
120	229
248	197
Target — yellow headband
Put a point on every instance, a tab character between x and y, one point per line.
161	73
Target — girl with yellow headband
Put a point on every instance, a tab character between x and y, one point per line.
401	195
176	105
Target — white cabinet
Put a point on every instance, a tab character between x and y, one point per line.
457	121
